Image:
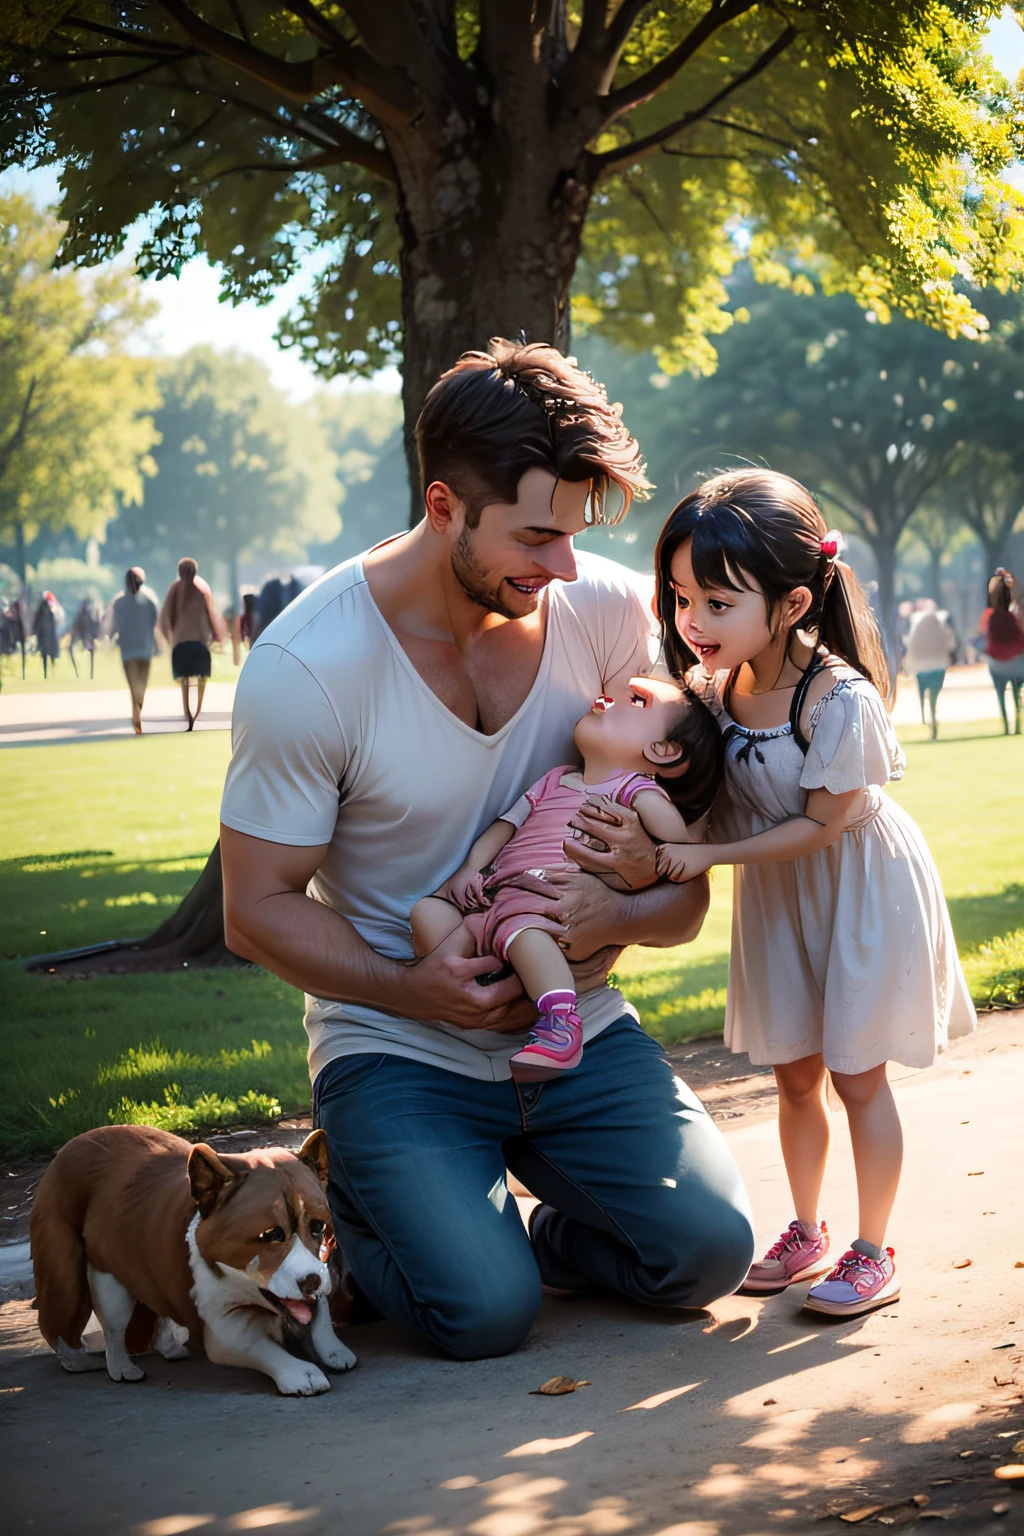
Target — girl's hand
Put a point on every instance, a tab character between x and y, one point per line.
680	862
465	890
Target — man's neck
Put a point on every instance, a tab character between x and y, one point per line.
412	582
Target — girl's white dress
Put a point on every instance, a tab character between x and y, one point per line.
849	951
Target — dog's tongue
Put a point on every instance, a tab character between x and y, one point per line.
300	1310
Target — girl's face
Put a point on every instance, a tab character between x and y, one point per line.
724	628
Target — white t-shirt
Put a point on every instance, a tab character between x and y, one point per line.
337	739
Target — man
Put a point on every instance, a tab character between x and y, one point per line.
389	715
131	621
190	623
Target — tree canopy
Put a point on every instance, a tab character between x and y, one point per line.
239	470
454	165
76	426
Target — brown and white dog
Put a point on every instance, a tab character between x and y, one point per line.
166	1242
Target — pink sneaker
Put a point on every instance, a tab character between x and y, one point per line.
555	1045
856	1284
798	1255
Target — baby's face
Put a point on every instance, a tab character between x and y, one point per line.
626	729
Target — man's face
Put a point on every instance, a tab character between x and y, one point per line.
518	549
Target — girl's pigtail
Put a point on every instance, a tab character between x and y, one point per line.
847	627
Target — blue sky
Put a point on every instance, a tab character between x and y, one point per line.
189	312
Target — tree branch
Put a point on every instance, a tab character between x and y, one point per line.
17	437
641	90
641	147
385	92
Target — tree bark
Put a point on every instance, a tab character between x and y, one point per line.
884	551
491	206
192	938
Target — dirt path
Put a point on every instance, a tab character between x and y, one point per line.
745	1419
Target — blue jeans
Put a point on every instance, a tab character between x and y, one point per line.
640	1193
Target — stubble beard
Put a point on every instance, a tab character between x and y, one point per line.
473	581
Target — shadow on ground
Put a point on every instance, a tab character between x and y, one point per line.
695	1424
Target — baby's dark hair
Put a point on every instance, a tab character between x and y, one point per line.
761	524
697	732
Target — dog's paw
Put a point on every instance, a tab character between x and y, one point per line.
129	1371
300	1379
171	1340
336	1356
80	1359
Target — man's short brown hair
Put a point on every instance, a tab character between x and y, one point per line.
187	567
498	413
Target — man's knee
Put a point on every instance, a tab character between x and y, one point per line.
714	1256
492	1318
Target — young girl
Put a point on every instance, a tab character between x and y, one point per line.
656	748
843	957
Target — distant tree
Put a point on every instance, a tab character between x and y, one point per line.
76	426
986	491
240	469
937	528
875	417
455	158
364	431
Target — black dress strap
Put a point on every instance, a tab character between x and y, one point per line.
818	665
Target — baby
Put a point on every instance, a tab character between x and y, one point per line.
657	748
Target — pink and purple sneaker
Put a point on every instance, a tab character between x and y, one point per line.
858	1283
799	1254
555	1045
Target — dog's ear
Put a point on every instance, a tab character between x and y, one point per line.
208	1177
313	1153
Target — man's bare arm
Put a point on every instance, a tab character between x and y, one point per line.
269	919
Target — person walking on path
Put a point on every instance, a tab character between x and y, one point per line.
843	957
190	623
931	646
380	725
131	621
1001	638
243	626
47	623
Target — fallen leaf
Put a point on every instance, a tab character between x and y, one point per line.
557	1386
1019	1264
920	1499
1000	1509
769	1402
1013	1472
966	1455
977	1174
855	1516
962	1263
1018	1449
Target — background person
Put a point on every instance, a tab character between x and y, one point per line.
190	623
131	621
242	630
47	623
1001	638
931	646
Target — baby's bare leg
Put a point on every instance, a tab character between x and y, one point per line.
540	964
432	921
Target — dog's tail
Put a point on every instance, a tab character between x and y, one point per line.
58	1261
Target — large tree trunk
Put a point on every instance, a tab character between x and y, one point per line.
491	218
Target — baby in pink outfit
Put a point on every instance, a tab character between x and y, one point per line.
655	748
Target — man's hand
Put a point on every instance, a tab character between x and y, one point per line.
680	862
609	841
443	985
465	890
593	916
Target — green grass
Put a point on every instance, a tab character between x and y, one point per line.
107	671
101	840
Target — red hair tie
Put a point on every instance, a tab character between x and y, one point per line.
833	544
